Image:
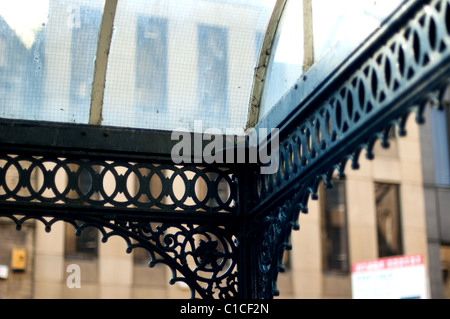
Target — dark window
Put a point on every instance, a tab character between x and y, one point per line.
213	70
445	264
388	220
151	63
334	229
83	246
440	137
83	52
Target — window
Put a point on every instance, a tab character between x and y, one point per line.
440	137
335	255
151	64
388	220
213	71
83	246
83	52
445	264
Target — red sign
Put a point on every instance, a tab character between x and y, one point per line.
388	263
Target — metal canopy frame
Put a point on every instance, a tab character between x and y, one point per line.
231	246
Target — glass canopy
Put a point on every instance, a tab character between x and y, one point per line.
170	65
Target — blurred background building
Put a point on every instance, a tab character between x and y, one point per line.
393	206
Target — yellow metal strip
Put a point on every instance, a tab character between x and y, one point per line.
101	62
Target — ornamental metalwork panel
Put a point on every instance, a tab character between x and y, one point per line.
94	182
185	216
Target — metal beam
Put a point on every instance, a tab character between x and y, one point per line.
101	62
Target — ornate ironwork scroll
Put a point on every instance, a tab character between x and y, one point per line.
185	216
204	257
272	234
403	69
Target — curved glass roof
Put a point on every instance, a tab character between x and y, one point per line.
171	64
315	37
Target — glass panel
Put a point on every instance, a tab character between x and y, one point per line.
151	51
338	28
334	229
47	58
83	50
345	24
175	62
286	63
212	72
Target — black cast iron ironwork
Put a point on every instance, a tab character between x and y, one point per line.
402	69
222	228
186	216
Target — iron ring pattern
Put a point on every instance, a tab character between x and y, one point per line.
420	46
333	129
116	184
200	254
